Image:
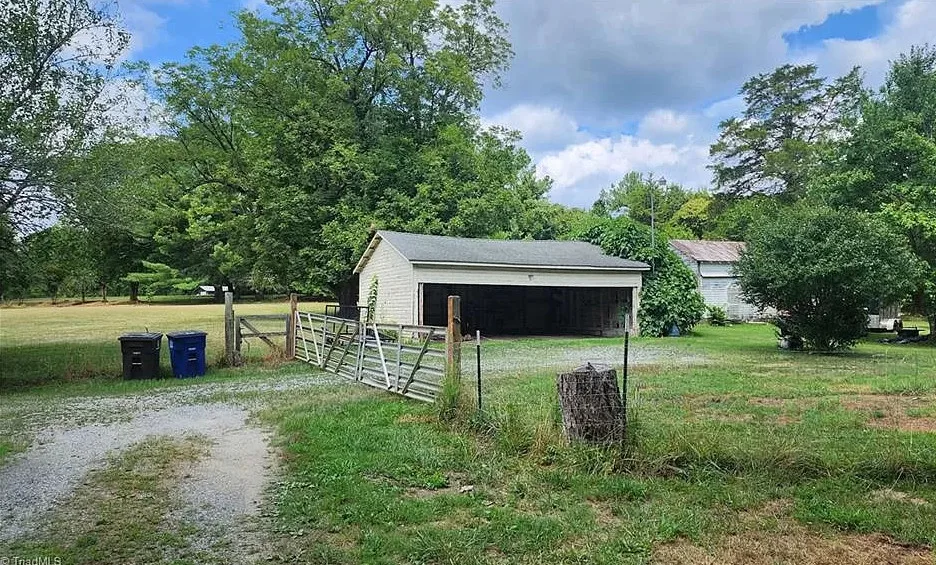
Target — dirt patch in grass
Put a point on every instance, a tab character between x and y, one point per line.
123	513
893	412
603	514
905	424
770	402
886	494
786	420
417	419
770	536
794	544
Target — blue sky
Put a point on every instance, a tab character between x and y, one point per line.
601	87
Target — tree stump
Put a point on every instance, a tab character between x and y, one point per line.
591	405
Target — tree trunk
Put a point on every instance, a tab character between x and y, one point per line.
591	405
103	292
219	293
134	292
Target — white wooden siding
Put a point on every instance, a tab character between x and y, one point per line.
726	293
716	269
394	288
526	276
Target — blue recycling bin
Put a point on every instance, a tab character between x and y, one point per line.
187	353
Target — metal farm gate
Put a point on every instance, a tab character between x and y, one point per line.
406	360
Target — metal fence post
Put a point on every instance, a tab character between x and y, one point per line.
478	352
291	326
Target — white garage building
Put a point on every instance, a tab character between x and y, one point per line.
712	263
506	286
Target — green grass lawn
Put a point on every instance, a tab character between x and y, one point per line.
737	452
746	455
51	344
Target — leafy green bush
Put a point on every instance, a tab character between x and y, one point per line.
162	279
819	267
716	315
669	296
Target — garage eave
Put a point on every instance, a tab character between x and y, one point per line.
527	267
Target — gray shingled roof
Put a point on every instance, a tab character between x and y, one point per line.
545	253
709	251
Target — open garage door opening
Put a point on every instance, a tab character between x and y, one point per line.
530	310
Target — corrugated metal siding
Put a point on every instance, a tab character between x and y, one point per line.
525	277
395	285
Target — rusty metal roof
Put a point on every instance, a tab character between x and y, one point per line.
709	251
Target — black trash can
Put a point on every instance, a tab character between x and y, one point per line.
140	354
187	353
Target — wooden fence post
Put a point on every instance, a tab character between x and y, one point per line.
453	340
229	354
291	327
450	396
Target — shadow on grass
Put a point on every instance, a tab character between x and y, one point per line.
24	368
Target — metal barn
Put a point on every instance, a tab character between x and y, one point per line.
712	263
507	287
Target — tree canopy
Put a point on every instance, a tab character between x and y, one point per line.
820	268
331	119
55	59
775	145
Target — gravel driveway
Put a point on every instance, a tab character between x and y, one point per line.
518	356
73	436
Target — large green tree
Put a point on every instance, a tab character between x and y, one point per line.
670	296
332	118
668	207
775	145
820	268
55	57
58	260
888	164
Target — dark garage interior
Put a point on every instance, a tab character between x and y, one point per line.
529	310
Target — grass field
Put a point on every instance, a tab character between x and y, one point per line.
738	453
749	455
45	344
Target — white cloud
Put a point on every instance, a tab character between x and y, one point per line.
132	109
664	124
542	127
724	108
581	170
913	23
146	27
596	65
603	61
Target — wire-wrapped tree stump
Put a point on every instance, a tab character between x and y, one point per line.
592	410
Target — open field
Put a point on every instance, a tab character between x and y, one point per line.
738	453
41	344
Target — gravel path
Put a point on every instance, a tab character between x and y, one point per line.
34	482
523	357
73	436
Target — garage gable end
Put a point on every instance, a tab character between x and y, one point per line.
384	268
